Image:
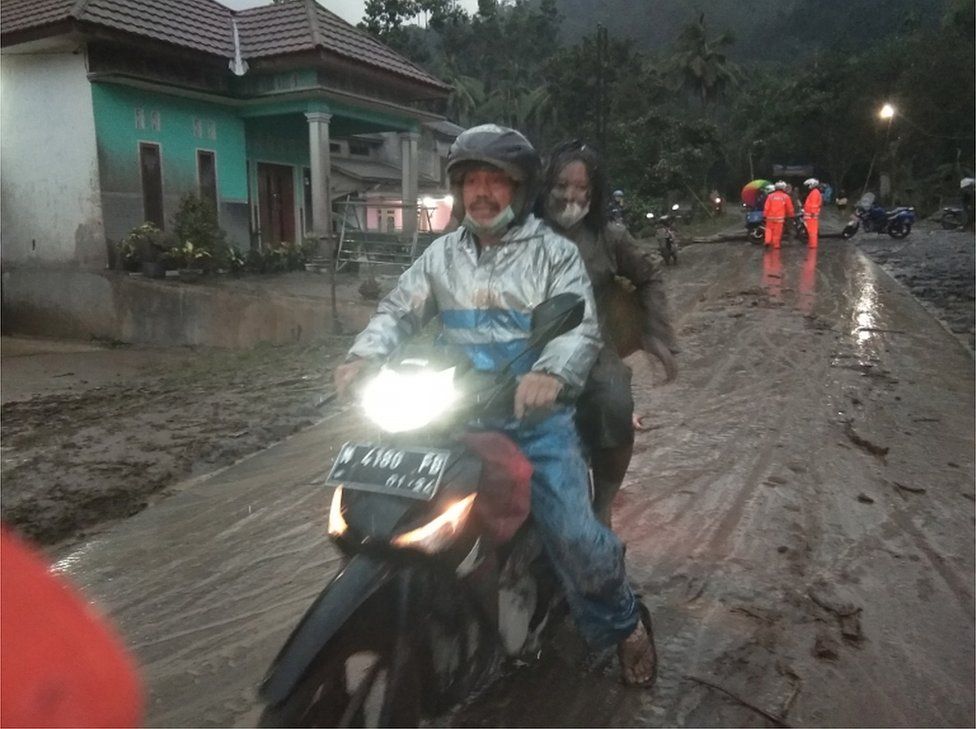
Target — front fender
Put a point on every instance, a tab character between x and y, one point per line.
340	599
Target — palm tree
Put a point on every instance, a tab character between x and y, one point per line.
467	99
699	64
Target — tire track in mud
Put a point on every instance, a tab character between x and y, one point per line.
814	504
727	531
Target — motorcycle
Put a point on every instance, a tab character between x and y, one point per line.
443	574
952	218
876	219
717	204
668	245
756	226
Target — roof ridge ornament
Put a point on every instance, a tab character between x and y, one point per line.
313	22
237	64
78	8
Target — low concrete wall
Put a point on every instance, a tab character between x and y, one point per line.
110	305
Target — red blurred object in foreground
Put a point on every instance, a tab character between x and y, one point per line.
60	663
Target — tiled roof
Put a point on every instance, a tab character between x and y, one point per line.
445	128
298	25
340	37
21	14
274	29
206	25
374	171
203	25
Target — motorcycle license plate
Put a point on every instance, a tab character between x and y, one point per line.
412	472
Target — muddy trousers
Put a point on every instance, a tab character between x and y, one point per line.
609	468
604	417
774	232
813	231
588	557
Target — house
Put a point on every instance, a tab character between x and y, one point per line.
113	109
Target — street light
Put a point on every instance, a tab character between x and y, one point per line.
886	113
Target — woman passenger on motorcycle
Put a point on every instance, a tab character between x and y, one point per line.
573	203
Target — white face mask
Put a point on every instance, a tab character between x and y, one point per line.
496	226
570	214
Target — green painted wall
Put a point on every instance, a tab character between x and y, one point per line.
280	139
118	140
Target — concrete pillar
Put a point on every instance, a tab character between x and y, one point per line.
320	167
409	162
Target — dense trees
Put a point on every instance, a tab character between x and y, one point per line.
683	117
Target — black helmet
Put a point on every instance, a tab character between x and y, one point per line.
500	147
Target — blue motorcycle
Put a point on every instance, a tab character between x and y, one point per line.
876	219
756	226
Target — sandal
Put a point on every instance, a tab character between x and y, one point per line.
637	648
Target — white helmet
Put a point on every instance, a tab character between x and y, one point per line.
780	185
811	182
769	188
618	193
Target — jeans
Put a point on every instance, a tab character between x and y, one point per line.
587	557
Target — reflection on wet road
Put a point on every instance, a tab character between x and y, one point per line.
806	275
799	521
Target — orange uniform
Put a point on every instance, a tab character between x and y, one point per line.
62	663
777	209
811	215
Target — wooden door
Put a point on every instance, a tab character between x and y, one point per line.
151	170
276	203
207	176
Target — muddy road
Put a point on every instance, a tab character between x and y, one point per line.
799	520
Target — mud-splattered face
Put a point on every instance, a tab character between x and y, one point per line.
569	199
486	192
572	185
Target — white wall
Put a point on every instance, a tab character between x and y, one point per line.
50	209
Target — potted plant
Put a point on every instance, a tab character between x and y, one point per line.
144	247
229	259
190	260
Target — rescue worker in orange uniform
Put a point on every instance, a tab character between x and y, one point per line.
777	209
811	210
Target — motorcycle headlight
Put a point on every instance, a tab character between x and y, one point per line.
437	535
401	401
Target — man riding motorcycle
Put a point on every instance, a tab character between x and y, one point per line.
483	280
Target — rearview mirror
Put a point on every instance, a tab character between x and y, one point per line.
556	316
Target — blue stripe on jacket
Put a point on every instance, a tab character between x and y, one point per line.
493	356
480	318
490	356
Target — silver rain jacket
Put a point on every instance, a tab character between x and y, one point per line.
485	303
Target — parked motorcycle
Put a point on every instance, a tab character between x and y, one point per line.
876	219
952	218
443	573
684	213
756	226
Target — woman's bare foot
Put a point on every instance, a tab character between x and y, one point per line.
638	658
